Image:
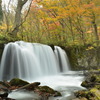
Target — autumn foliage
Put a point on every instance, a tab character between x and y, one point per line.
67	22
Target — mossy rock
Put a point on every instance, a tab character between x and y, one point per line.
96	93
46	89
18	82
81	93
91	81
95	78
85	94
85	84
97	87
91	94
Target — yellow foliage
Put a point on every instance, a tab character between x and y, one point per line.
3	27
50	19
90	48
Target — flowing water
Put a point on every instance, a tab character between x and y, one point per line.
37	62
65	83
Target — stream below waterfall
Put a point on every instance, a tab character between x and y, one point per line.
66	84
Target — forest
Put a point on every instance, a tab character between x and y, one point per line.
60	22
69	27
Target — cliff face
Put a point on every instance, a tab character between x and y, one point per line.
1	50
90	59
84	57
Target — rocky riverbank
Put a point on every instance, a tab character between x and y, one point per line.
92	85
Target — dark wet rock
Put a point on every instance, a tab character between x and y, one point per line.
3	87
18	82
92	94
3	94
84	94
31	86
52	46
3	91
87	84
91	81
5	83
57	94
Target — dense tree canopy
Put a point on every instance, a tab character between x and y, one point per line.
67	22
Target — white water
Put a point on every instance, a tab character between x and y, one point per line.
62	59
66	84
31	60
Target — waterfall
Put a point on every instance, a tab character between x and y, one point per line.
31	60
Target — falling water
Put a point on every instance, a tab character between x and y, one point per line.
62	59
31	60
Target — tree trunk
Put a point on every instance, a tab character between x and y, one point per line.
95	30
95	27
18	18
1	14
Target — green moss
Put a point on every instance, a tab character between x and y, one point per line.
85	84
96	93
18	82
46	89
98	87
83	57
86	94
92	81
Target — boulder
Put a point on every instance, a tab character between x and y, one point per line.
3	91
91	81
18	82
45	92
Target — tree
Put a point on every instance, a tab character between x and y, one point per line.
92	13
18	17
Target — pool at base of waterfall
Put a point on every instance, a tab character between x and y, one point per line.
66	83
